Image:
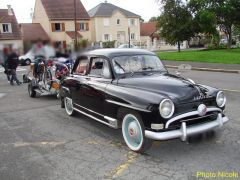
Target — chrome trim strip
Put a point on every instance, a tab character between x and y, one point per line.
112	122
126	105
96	119
67	89
210	109
89	110
185	131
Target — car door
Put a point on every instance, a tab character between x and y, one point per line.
92	98
78	79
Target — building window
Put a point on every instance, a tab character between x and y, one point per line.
132	22
106	22
106	37
82	27
118	36
133	36
118	21
57	27
6	28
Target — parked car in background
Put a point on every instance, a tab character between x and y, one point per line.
223	42
127	46
26	59
131	89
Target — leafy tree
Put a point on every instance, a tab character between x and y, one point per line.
236	31
226	14
175	23
153	19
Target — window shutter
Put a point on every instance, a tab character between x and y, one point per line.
78	26
64	45
87	26
53	27
63	27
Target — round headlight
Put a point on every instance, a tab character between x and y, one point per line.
166	108
221	99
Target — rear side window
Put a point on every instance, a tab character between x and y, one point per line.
100	68
82	67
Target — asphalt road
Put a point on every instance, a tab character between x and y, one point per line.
39	141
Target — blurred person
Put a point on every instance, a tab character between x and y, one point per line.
1	55
12	64
38	49
4	63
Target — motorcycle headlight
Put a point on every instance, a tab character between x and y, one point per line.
221	99
166	108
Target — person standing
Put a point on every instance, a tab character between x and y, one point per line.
12	64
4	63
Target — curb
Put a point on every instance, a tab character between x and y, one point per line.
207	69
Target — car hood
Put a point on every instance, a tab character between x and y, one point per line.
170	86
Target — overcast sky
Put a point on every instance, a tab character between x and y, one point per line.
144	8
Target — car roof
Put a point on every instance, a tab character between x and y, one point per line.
110	53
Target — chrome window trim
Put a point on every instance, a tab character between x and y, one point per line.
209	109
126	105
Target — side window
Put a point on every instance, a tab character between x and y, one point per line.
82	67
100	68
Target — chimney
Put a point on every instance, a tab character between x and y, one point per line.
10	12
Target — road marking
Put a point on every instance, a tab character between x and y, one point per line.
2	95
231	90
39	144
44	143
131	157
107	143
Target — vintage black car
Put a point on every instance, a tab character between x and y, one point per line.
131	89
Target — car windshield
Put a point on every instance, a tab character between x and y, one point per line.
137	63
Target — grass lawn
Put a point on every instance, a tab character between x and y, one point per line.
225	56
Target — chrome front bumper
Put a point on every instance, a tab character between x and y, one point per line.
185	131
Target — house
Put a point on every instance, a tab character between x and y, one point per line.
148	31
10	34
31	33
110	22
57	19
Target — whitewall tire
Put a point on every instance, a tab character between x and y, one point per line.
69	106
133	133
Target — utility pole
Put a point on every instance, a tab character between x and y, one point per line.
75	22
129	38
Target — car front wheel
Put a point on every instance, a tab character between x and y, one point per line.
69	106
133	133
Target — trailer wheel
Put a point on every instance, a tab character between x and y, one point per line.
32	93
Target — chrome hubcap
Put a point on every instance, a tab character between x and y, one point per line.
68	105
132	132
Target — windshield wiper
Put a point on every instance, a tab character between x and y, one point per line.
147	68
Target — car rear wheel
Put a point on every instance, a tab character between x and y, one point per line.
133	133
69	106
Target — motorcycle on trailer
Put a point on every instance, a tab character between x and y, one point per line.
44	77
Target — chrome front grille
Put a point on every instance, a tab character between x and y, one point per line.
193	120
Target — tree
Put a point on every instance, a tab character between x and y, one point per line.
175	23
225	12
153	19
236	31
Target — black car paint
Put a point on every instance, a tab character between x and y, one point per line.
142	92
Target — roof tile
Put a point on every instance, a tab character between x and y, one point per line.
5	18
64	9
